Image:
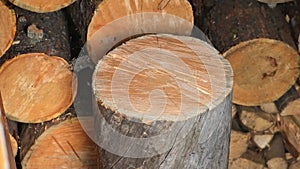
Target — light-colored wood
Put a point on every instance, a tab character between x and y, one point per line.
292	108
196	82
105	14
36	87
264	69
133	18
269	107
256	120
291	133
42	6
277	163
7	27
233	110
244	163
262	141
64	145
238	144
14	144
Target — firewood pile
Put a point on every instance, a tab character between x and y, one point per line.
248	69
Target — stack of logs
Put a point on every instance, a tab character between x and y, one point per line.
260	41
39	41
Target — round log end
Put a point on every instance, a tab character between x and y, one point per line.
36	87
162	77
264	69
64	145
159	21
7	27
42	6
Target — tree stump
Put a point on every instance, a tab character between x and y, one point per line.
164	102
7	27
36	87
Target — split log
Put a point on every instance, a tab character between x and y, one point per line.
256	120
36	87
59	143
277	163
7	27
262	140
245	163
40	33
262	75
238	144
171	71
42	6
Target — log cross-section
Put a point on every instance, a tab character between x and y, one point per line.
164	102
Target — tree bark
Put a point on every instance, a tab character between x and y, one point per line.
197	140
231	22
44	33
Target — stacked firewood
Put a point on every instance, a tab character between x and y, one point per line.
40	41
260	41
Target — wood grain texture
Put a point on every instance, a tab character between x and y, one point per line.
42	6
204	136
7	27
36	87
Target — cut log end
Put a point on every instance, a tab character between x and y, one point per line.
264	70
64	145
7	27
181	9
161	68
42	6
36	87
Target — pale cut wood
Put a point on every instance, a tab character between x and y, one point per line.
36	87
290	130
14	144
7	27
269	107
136	18
238	144
262	75
162	62
256	120
42	6
292	108
262	141
244	163
63	145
